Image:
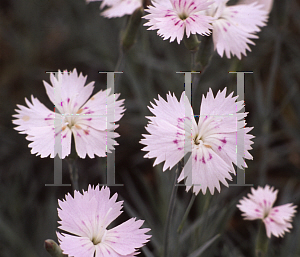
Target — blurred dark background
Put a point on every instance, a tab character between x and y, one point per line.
46	35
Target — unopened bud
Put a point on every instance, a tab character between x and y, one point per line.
191	42
53	249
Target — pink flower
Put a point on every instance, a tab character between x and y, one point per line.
234	26
86	217
212	141
259	205
118	8
85	119
174	18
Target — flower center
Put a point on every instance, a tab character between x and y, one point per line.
99	237
266	208
69	120
183	16
199	140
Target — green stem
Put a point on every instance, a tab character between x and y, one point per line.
129	35
186	213
170	213
193	57
73	172
118	66
120	60
262	242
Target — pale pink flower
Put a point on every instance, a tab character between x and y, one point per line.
234	26
213	140
85	219
118	8
174	18
259	205
85	119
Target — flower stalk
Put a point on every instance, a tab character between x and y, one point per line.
170	212
262	241
205	53
186	214
129	36
73	172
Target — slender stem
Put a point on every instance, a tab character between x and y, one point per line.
170	213
193	57
262	242
119	66
186	213
120	59
73	173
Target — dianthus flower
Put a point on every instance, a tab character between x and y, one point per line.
85	219
174	18
234	26
85	119
259	205
213	140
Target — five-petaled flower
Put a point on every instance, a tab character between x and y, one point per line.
234	26
212	142
85	219
174	18
118	8
90	121
259	205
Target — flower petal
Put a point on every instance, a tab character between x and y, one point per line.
102	108
237	24
121	8
42	127
266	4
275	228
205	169
76	246
73	92
92	211
91	142
127	236
167	130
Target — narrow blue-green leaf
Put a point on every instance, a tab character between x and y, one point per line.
202	248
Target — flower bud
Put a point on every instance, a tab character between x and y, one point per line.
53	249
